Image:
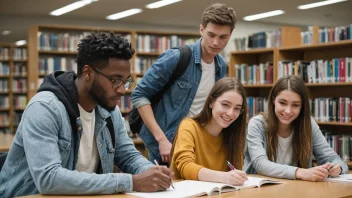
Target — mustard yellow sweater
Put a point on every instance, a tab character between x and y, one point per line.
194	149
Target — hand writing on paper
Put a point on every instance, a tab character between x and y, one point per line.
165	149
334	169
318	173
234	177
155	179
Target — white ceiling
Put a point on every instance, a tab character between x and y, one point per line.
19	15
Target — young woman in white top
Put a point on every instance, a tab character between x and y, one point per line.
282	141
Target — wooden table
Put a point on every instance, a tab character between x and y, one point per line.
290	189
5	142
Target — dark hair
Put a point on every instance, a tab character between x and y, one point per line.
98	47
234	136
302	137
219	14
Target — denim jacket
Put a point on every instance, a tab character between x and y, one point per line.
177	100
42	156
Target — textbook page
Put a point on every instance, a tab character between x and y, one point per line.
186	188
191	188
340	178
253	182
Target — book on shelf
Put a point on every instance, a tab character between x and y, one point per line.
191	188
255	105
307	36
333	34
341	144
160	43
331	109
4	53
261	73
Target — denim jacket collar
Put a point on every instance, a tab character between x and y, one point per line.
198	55
103	113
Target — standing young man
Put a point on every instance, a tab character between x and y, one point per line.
63	138
188	94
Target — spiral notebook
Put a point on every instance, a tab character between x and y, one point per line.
191	188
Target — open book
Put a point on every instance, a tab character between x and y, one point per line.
340	178
190	188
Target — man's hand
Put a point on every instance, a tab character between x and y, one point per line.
165	150
155	179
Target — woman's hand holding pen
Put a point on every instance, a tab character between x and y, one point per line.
317	173
334	169
234	177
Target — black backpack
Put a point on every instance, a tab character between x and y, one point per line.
134	118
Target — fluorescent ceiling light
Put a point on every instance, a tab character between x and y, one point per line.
6	32
263	15
161	3
72	6
318	4
21	42
124	14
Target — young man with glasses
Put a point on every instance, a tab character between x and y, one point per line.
63	144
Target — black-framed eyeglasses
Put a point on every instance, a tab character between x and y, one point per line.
118	82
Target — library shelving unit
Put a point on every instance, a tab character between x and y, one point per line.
18	84
53	47
150	44
13	85
5	92
257	68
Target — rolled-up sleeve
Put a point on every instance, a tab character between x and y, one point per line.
157	76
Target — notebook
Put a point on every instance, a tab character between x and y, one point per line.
340	178
191	188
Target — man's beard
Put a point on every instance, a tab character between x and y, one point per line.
98	93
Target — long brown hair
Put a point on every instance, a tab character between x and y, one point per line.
302	137
234	135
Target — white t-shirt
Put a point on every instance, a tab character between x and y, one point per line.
206	83
88	156
284	150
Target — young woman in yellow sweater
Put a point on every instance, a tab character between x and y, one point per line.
217	134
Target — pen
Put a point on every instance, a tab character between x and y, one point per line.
157	164
230	165
331	166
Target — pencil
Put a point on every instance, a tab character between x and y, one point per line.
157	164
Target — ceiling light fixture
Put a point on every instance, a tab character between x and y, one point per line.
318	4
124	14
71	7
263	15
161	3
6	32
21	42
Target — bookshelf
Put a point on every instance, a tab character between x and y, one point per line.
53	47
150	44
13	85
5	92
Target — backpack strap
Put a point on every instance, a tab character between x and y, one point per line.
183	62
111	130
